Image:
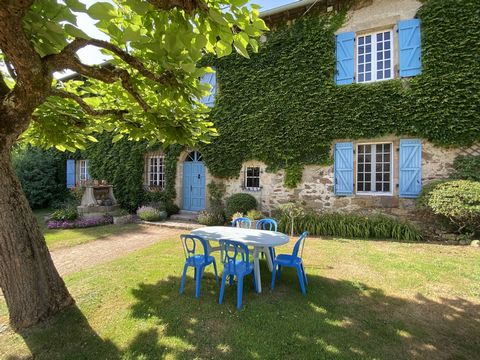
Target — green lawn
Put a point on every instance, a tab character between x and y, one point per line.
65	238
366	300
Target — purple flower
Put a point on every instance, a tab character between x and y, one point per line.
80	223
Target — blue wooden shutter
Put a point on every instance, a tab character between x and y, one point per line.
345	58
70	173
409	41
410	168
343	168
210	78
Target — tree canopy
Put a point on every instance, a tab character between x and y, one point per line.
150	88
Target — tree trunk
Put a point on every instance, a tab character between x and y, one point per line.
32	287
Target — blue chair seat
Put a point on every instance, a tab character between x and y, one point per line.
194	258
294	261
287	259
239	267
199	260
236	263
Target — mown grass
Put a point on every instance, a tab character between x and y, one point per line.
70	237
366	300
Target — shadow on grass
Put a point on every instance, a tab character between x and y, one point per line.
337	319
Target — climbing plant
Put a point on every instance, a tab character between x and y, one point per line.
122	165
282	106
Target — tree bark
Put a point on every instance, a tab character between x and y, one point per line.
32	287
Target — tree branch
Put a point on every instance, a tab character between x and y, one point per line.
60	61
87	108
108	76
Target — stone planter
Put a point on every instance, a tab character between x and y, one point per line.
124	219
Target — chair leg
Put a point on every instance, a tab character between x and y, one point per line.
239	291
222	288
301	279
197	281
195	274
231	280
305	275
274	273
182	283
279	271
215	269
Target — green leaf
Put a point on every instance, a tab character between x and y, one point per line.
117	138
76	5
102	11
75	32
217	17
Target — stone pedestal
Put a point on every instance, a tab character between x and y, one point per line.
98	200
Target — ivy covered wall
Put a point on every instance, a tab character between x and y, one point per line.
122	165
283	108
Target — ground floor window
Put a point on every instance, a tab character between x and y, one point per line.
252	178
374	169
156	171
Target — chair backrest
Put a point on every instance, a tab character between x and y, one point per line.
300	244
242	222
234	252
191	244
267	224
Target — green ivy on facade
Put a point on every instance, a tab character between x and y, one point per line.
282	106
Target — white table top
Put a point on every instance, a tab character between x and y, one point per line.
251	237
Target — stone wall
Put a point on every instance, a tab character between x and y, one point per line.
316	188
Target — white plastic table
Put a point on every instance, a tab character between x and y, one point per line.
261	240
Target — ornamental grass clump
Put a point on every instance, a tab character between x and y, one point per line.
149	213
349	226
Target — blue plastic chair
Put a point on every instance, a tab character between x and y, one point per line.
199	261
270	225
243	222
236	262
292	260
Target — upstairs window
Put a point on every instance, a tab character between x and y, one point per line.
374	57
83	176
156	171
252	178
210	79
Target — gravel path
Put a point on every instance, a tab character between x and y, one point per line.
69	260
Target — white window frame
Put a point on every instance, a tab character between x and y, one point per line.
247	177
156	172
373	166
374	56
83	175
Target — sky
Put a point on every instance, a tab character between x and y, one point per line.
91	55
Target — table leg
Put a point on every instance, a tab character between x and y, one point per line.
256	266
269	258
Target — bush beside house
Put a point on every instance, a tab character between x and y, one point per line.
41	173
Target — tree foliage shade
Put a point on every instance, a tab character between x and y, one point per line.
151	88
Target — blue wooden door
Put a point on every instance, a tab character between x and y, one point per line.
193	185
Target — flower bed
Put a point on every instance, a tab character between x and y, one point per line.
80	223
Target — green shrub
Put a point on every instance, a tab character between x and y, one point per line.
171	208
148	213
42	175
239	203
67	213
466	168
349	226
210	218
458	201
255	215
